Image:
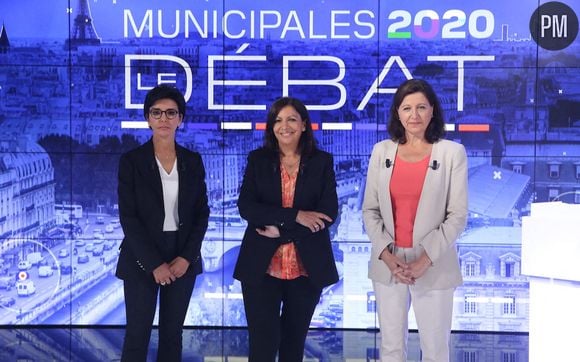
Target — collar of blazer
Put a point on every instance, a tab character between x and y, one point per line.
274	157
150	154
389	152
391	147
151	165
429	194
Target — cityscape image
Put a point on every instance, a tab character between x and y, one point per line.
73	76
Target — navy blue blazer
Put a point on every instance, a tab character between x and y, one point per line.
141	210
260	203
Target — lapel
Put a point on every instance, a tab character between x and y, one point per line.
427	192
274	165
300	182
426	200
386	173
152	170
183	171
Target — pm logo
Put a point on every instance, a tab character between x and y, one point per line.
554	26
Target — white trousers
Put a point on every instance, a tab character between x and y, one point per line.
433	313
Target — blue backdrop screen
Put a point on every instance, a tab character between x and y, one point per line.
72	81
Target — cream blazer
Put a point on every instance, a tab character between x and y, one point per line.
441	213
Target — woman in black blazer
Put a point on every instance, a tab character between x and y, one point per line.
288	196
164	213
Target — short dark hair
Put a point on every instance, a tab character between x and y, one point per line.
307	143
164	91
436	128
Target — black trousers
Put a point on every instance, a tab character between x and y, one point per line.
278	313
140	304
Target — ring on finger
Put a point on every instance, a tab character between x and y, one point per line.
162	283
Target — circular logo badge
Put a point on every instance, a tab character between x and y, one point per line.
554	26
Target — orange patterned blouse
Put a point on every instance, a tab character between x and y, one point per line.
286	263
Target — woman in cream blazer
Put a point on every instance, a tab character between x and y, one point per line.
441	214
418	267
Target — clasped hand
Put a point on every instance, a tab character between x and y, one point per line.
313	220
167	273
406	273
269	231
401	272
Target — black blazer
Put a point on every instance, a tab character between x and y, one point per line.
141	210
260	203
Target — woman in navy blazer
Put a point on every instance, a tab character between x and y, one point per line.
164	212
414	209
288	196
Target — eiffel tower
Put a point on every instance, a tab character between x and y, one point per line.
4	42
83	31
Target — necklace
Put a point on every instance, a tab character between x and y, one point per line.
167	162
165	158
290	167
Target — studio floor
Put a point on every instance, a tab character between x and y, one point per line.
86	344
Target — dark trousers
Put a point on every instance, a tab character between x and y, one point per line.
140	304
278	313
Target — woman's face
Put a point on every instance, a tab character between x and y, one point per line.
164	118
415	114
288	128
